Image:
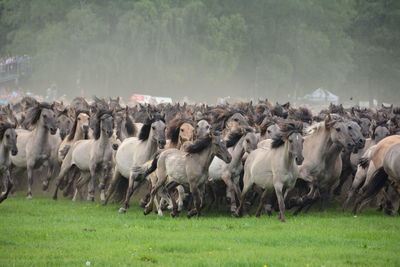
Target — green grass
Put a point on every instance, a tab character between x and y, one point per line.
43	232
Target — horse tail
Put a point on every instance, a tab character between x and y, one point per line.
147	168
375	184
364	162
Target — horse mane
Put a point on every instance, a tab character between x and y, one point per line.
130	126
145	131
4	125
199	145
221	116
33	113
73	130
286	129
97	129
301	114
396	110
337	109
234	138
174	128
269	122
62	112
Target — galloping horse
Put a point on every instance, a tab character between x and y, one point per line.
35	148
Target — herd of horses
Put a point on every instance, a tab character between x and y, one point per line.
195	157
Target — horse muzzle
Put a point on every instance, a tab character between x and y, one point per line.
14	151
53	130
161	144
299	160
115	146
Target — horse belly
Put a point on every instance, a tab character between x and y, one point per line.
176	169
215	169
81	157
124	156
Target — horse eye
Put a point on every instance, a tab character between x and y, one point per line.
236	120
291	141
181	130
350	128
269	131
247	140
337	129
79	119
44	116
153	128
7	135
207	127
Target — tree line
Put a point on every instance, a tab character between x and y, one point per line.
208	48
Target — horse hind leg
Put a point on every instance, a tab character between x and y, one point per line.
9	185
111	188
263	198
246	188
196	200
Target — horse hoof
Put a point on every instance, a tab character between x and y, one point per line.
90	199
233	209
236	214
54	197
45	187
122	210
29	197
191	213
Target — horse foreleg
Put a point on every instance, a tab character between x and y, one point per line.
263	198
50	170
246	188
196	200
111	187
92	182
9	185
281	202
226	177
30	181
104	178
129	194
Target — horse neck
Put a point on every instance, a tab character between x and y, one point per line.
323	142
288	158
204	158
238	152
41	133
79	134
104	140
150	146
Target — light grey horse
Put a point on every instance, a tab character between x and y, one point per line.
8	144
240	143
322	165
37	148
92	156
275	168
135	152
187	168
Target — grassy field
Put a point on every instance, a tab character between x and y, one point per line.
43	232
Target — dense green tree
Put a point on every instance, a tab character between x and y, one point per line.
208	48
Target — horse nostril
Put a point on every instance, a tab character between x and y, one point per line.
115	146
85	127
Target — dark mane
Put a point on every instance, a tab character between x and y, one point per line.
301	114
33	113
145	131
199	145
286	129
73	130
97	122
268	121
129	126
396	110
62	112
233	138
221	116
174	128
3	128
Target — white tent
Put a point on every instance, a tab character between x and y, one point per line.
322	95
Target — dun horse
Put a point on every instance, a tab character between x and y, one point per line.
92	156
8	144
35	148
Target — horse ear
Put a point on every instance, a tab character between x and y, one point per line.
328	121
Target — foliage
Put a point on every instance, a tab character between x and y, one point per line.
233	47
